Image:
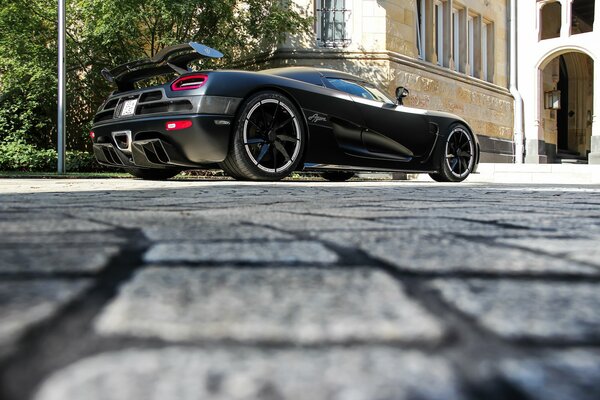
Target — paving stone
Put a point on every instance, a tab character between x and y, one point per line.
212	231
381	211
24	303
48	225
450	225
412	250
189	373
160	225
55	258
293	222
552	311
565	225
560	375
300	305
80	240
288	252
135	217
577	249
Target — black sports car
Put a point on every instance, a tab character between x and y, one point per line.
264	125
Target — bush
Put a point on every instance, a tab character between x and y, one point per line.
82	161
18	156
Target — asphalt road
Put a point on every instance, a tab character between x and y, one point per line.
125	289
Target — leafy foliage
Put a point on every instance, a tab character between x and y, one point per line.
105	33
19	156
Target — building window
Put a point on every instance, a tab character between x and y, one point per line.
550	21
333	23
456	39
420	29
471	44
487	51
438	10
484	52
583	16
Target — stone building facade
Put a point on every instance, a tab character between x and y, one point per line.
451	54
559	80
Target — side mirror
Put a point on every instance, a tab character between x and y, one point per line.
401	93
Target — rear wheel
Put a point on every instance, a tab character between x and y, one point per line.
152	174
458	156
337	176
268	139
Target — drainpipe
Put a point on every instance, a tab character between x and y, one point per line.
518	121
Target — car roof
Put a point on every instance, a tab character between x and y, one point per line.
309	74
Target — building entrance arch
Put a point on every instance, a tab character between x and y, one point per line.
565	105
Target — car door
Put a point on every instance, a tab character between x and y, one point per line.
391	132
335	125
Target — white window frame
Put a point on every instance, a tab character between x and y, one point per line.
456	38
420	29
346	38
471	44
484	51
438	11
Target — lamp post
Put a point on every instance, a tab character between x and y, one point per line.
61	87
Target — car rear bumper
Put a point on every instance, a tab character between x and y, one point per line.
146	143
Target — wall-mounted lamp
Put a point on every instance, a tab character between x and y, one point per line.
552	100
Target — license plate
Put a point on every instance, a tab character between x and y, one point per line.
128	107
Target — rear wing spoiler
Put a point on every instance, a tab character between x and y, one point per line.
173	58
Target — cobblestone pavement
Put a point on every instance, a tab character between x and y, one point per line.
126	290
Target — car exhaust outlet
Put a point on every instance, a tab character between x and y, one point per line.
122	140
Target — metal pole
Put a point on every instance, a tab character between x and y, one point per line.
61	87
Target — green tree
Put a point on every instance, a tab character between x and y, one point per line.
104	33
28	72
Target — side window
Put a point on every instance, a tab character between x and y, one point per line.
351	88
362	90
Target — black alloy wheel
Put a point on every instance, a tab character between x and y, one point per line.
459	156
268	139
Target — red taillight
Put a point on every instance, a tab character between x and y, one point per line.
92	135
189	82
177	125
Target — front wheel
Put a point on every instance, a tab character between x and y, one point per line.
152	174
458	156
268	139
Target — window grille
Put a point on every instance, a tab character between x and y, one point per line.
333	21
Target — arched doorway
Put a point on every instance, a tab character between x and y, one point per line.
567	106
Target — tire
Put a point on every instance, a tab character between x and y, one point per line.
152	174
458	156
337	176
268	139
